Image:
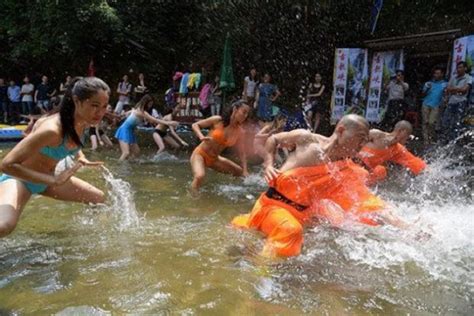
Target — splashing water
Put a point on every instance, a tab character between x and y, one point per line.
164	156
122	201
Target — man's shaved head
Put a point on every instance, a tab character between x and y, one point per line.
403	125
352	132
402	131
351	121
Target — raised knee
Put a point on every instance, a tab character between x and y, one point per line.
292	229
100	198
6	227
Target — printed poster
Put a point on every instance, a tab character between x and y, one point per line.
383	68
350	82
463	50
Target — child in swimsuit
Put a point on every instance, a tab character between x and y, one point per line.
226	131
29	167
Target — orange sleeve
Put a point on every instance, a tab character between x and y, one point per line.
403	157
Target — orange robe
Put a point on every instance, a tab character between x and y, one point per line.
375	159
328	191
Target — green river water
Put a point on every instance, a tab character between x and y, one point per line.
153	249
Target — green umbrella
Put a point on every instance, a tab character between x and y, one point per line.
227	82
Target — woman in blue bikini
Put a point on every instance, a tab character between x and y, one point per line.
125	134
29	167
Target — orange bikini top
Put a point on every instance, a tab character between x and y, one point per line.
218	135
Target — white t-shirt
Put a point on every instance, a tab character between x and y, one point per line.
124	87
27	88
250	86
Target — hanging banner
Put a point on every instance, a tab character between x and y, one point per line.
376	77
383	69
459	53
340	78
350	82
463	50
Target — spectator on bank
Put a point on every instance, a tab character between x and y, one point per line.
43	94
4	100
250	87
124	89
216	99
141	88
396	106
27	90
267	93
64	86
458	90
433	92
14	96
314	106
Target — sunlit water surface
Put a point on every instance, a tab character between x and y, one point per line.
155	249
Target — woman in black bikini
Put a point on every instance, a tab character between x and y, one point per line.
167	134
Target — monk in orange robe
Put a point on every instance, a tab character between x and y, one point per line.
389	147
317	181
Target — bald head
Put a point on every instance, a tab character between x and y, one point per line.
352	133
353	121
403	126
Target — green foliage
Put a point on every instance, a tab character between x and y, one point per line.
289	39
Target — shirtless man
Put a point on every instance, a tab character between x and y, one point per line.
389	147
318	180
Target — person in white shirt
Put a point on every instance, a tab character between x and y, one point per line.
27	90
124	89
250	87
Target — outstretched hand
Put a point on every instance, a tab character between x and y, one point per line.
85	162
64	176
271	173
173	123
205	139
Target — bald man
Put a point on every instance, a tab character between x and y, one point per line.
389	147
317	181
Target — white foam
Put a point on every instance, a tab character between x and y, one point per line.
122	201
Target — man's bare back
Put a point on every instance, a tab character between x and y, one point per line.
381	140
308	149
313	149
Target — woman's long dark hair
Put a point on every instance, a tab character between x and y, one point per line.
82	88
144	101
226	115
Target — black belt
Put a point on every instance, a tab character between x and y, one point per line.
272	193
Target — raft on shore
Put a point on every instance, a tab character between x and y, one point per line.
11	133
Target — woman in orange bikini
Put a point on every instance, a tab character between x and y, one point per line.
226	131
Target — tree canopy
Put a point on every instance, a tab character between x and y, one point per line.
289	39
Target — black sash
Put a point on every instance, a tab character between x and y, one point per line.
272	193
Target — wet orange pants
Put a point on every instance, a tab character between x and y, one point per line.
329	192
376	158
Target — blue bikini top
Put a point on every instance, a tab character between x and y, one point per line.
59	152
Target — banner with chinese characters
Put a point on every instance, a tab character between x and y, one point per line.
383	69
459	53
463	50
350	82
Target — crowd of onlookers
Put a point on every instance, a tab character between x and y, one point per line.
444	104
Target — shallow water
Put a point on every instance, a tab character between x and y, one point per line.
154	249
